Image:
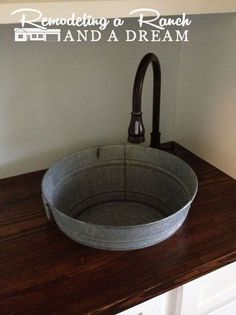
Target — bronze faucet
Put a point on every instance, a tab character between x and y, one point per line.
136	129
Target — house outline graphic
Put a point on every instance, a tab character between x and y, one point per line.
37	34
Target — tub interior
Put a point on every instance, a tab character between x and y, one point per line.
119	185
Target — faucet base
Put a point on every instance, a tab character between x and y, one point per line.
155	140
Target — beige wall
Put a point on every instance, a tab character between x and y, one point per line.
206	105
57	98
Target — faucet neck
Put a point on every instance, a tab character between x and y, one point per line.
136	120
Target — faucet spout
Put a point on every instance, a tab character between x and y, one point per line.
136	131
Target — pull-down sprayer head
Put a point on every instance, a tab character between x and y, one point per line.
136	128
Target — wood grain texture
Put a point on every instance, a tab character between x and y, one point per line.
44	272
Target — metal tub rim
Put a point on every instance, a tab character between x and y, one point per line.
120	227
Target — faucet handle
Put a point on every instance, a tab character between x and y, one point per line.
136	129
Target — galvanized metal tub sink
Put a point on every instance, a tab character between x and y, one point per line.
119	197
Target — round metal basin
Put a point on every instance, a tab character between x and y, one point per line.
119	197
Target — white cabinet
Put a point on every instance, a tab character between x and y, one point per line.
163	304
213	294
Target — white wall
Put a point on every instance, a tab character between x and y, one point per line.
56	98
206	105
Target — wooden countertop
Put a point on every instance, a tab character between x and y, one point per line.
44	272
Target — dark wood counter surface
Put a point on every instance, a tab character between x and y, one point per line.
44	272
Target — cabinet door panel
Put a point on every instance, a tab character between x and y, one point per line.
161	305
208	294
228	309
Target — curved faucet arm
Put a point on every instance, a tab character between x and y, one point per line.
139	79
136	120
